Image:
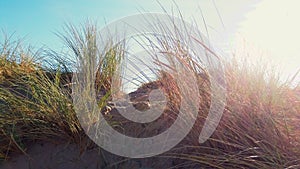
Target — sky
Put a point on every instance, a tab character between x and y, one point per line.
260	28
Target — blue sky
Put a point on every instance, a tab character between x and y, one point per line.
38	20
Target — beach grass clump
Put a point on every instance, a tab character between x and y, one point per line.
260	124
96	64
33	105
259	127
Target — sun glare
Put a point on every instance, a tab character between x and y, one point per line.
273	28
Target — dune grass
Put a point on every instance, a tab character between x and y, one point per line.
33	104
259	127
